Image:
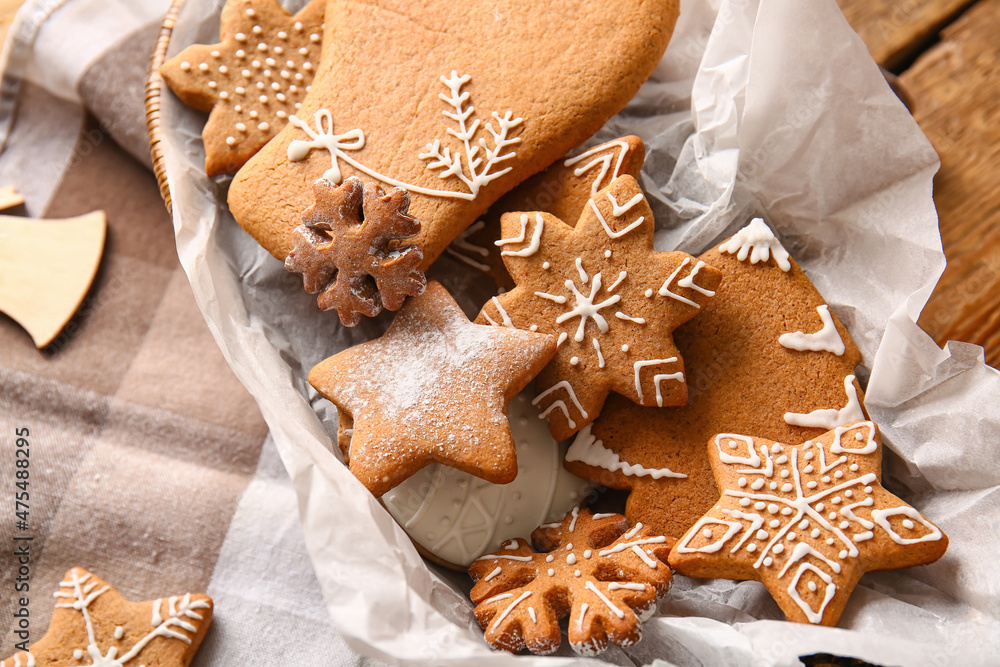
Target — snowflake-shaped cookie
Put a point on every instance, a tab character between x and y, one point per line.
609	298
93	623
349	249
252	81
605	576
806	520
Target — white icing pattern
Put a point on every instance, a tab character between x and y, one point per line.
759	243
657	379
81	590
532	246
687	281
475	164
826	339
787	493
586	448
830	418
603	155
465	251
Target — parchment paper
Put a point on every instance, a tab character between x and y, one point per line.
758	107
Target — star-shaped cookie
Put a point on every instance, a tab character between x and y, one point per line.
806	520
93	623
433	389
252	80
609	298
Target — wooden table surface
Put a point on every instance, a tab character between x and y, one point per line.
947	56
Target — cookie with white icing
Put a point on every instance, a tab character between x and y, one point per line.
94	625
608	297
252	81
765	356
807	520
563	189
457	105
454	517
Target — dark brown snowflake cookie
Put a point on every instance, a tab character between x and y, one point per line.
350	249
593	568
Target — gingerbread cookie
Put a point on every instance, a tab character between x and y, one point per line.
252	81
611	300
590	567
93	622
444	104
563	189
807	520
454	517
750	369
433	388
351	249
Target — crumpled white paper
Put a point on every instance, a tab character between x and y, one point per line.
758	107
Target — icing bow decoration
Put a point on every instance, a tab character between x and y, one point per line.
324	138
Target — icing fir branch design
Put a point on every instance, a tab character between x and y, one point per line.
813	511
475	164
587	449
82	589
480	167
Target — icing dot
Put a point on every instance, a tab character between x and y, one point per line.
807	469
772	508
240	53
854	467
314	37
213	84
759	505
803	524
278	50
868	489
280	114
588	553
275	86
784	473
848	493
256	63
625	347
649	293
790	536
260	85
230	141
298	104
707	533
272	62
576	573
78	654
815	533
282	35
832	516
762	535
533	327
574	361
811	485
241	37
119	631
844	525
757	485
607	254
751	547
786	511
775	448
223	69
908	524
241	127
838	474
290	64
549	558
829	541
250	11
203	67
732	445
772	486
253	113
245	73
569	547
819	507
812	586
263	99
571	559
774	523
785	488
238	107
826	479
778	548
257	30
835	500
298	76
307	66
285	74
304	51
842	554
745	502
858	436
240	90
216	54
781	459
742	481
809	455
223	95
552	572
298	25
768	561
545	265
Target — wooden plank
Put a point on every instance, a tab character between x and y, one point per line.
955	88
897	31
